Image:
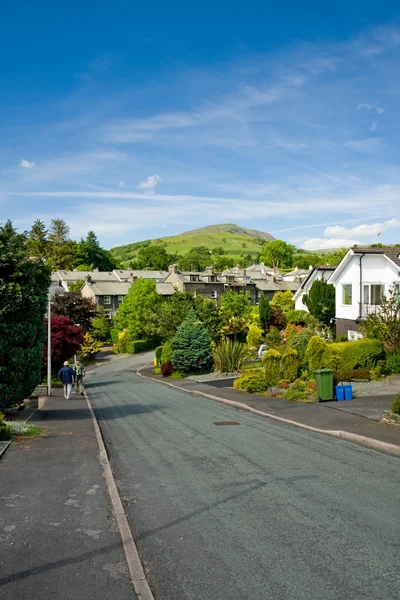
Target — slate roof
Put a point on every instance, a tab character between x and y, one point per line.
278	286
392	253
109	288
146	274
165	289
81	275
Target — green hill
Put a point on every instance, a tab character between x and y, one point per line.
233	239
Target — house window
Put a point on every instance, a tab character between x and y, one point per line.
107	300
108	313
120	299
214	294
373	294
347	294
194	294
194	278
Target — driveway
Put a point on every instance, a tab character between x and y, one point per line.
255	510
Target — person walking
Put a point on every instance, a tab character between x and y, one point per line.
79	375
67	376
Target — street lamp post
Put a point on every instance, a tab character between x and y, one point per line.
49	347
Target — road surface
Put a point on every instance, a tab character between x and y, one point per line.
253	511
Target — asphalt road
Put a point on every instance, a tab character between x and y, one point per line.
253	511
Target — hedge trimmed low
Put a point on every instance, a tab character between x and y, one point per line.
140	346
252	381
356	354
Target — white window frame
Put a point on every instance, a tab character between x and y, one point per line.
120	299
346	285
214	294
368	297
105	301
194	294
108	313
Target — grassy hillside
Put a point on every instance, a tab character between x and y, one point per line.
234	239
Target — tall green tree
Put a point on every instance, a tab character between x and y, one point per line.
139	311
284	300
90	253
277	254
59	232
173	312
236	304
265	311
24	285
320	301
37	240
153	257
210	315
62	250
73	305
197	259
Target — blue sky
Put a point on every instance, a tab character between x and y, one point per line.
145	122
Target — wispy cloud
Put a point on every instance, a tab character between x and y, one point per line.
26	164
363	230
150	183
328	243
121	184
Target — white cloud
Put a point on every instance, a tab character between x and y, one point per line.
150	183
366	106
367	145
362	230
373	126
379	110
327	243
121	184
27	164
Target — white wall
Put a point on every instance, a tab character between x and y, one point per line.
316	276
376	269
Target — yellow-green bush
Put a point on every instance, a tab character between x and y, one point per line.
252	381
254	336
290	331
271	361
359	353
317	353
289	365
124	337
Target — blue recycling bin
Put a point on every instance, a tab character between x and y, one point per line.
348	392
339	392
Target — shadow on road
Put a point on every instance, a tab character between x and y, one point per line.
106	413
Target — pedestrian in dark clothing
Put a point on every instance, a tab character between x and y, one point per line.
79	375
67	376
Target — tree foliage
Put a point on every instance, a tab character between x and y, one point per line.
100	326
265	312
89	252
139	311
384	325
191	346
37	240
89	348
153	257
173	312
284	300
277	254
320	301
79	309
24	287
66	339
197	259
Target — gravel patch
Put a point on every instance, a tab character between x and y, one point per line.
367	388
212	377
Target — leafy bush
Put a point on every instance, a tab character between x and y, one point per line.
158	354
355	374
166	353
289	365
316	353
229	356
123	338
393	364
89	348
357	354
191	347
254	336
293	395
167	368
342	338
396	405
5	430
114	335
278	317
136	346
252	381
298	317
290	331
100	327
271	361
284	300
299	342
273	337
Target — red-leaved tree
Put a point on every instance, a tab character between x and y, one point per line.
66	339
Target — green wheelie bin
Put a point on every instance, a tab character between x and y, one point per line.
324	379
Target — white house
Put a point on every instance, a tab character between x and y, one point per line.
297	274
360	280
315	274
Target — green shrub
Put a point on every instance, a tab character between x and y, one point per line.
166	352
342	338
299	342
158	353
254	336
290	332
5	430
253	382
298	317
274	338
396	405
137	346
316	353
393	364
167	368
293	395
191	346
229	356
289	365
114	335
357	354
124	337
355	374
271	361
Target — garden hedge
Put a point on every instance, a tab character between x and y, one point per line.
351	355
140	346
114	335
252	381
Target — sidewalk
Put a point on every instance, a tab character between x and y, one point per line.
324	415
58	536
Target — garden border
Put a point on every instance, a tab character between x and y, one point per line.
345	435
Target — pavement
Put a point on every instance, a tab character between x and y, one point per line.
254	510
359	416
58	535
